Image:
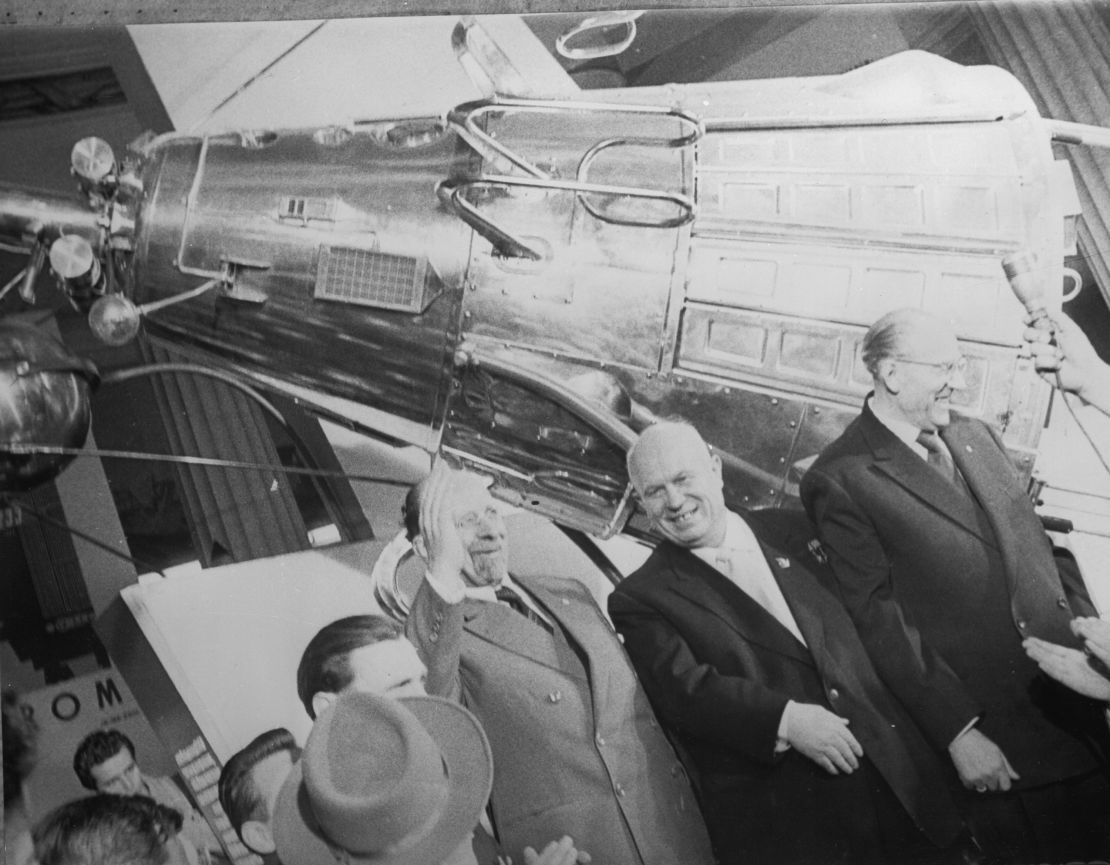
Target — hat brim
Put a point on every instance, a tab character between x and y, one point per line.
469	767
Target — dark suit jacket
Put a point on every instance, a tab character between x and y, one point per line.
720	669
943	590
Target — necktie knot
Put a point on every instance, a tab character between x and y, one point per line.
929	440
938	456
508	595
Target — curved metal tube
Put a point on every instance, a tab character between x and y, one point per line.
603	21
27	214
684	203
504	242
123	375
464	118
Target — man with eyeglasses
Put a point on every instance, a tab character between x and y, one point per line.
945	568
576	747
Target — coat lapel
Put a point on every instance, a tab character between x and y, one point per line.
584	625
986	472
786	571
510	631
898	462
708	588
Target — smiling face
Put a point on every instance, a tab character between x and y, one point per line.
679	483
918	387
482	529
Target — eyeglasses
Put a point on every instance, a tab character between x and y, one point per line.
945	367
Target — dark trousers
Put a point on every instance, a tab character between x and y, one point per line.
833	820
1063	822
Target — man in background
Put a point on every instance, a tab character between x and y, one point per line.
366	653
249	785
105	762
369	654
110	830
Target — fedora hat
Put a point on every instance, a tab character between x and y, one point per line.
384	782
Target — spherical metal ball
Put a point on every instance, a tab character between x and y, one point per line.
114	319
44	400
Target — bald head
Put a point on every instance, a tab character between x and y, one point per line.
679	483
907	332
915	363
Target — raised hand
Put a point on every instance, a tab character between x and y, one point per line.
1072	363
439	542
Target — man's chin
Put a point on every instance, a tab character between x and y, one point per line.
685	537
941	416
490	574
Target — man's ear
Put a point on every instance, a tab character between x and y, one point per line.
889	375
420	547
258	836
321	700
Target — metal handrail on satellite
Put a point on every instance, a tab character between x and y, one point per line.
464	119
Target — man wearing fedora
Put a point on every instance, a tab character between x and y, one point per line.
576	746
390	782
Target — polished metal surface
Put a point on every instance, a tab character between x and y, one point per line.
44	399
527	284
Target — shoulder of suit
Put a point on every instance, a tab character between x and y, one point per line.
964	427
786	529
849	443
562	586
645	575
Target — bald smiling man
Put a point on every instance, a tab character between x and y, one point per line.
803	756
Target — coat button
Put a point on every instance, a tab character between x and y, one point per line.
1062	603
566	602
554	696
434	636
619	789
834	694
1021	624
599	739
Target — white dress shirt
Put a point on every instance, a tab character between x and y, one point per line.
906	432
749	570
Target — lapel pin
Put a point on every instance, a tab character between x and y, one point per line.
782	562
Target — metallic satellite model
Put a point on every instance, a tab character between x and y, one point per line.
522	284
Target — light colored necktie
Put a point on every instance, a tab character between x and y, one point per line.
746	573
938	457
